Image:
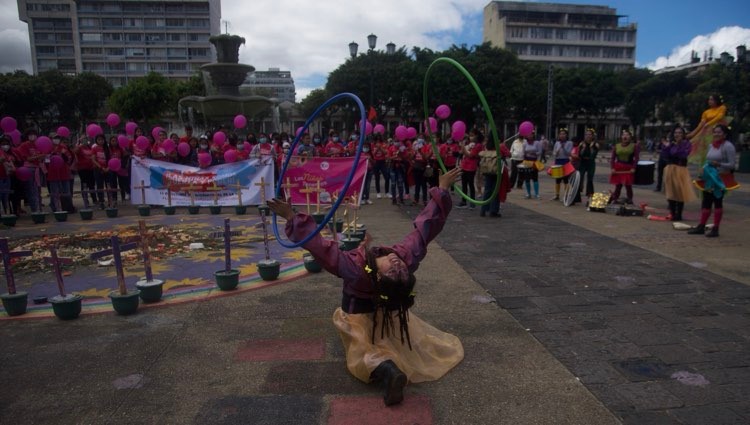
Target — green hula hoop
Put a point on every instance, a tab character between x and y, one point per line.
490	119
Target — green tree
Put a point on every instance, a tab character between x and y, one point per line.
144	99
91	92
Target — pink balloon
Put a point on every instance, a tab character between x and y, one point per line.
168	145
411	133
526	129
123	141
15	137
142	142
379	129
204	159
8	124
113	120
230	156
43	144
24	173
299	130
401	132
433	124
93	130
63	131
248	146
458	130
56	162
443	112
183	149
114	164
219	138
368	128
130	127
240	121
155	132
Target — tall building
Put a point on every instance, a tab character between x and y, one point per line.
564	35
275	82
121	39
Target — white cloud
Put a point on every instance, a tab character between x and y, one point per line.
14	51
725	39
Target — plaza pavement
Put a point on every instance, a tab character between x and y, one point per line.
566	316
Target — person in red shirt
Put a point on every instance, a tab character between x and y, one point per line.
419	160
188	134
398	157
135	150
318	145
85	166
120	178
469	164
264	150
31	158
334	148
379	152
100	153
58	177
7	171
242	152
157	150
367	153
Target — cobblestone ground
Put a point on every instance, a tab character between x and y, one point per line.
655	340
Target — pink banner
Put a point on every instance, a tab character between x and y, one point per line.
306	176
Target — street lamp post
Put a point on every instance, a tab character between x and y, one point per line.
372	40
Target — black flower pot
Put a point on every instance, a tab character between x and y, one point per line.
144	210
170	210
338	227
111	212
348	244
194	209
227	280
15	304
318	217
67	307
125	304
10	220
269	269
264	209
240	209
61	216
311	265
39	217
86	214
151	290
215	209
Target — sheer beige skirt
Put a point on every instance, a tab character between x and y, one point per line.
433	352
677	184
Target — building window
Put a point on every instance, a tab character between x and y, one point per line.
133	22
44	36
115	51
518	49
158	53
154	37
589	52
197	23
629	53
116	66
568	51
589	35
66	65
541	50
197	52
544	33
65	51
91	50
174	8
112	36
612	52
93	66
196	7
112	22
176	37
198	37
88	22
64	36
614	36
517	32
630	37
561	34
134	51
154	23
179	66
45	50
90	37
135	37
175	22
176	52
157	67
136	66
131	7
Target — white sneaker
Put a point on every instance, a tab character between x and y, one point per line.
378	196
390	196
368	202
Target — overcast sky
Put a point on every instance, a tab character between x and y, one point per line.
311	38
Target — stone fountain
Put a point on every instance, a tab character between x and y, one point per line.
223	100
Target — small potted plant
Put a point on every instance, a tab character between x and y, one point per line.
61	216
123	301
268	269
311	265
112	212
215	209
86	214
151	289
14	302
169	209
10	220
65	306
39	217
144	210
229	278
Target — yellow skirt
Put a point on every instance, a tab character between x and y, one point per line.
433	352
678	184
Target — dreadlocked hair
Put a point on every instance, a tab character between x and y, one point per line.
388	296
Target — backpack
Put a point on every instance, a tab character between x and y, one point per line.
488	162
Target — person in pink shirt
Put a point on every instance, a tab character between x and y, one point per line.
7	171
138	152
59	176
85	167
120	178
379	152
334	148
101	155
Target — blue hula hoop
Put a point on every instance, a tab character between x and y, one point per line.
350	177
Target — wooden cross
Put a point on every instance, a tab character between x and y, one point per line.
191	191
287	189
262	185
143	232
318	190
215	189
7	256
307	191
169	196
335	198
227	235
57	262
115	252
143	188
239	188
355	207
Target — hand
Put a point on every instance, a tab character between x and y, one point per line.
281	208
446	180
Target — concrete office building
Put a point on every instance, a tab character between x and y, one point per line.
121	39
272	83
563	35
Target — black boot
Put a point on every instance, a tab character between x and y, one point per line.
678	210
713	233
697	230
672	210
392	380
